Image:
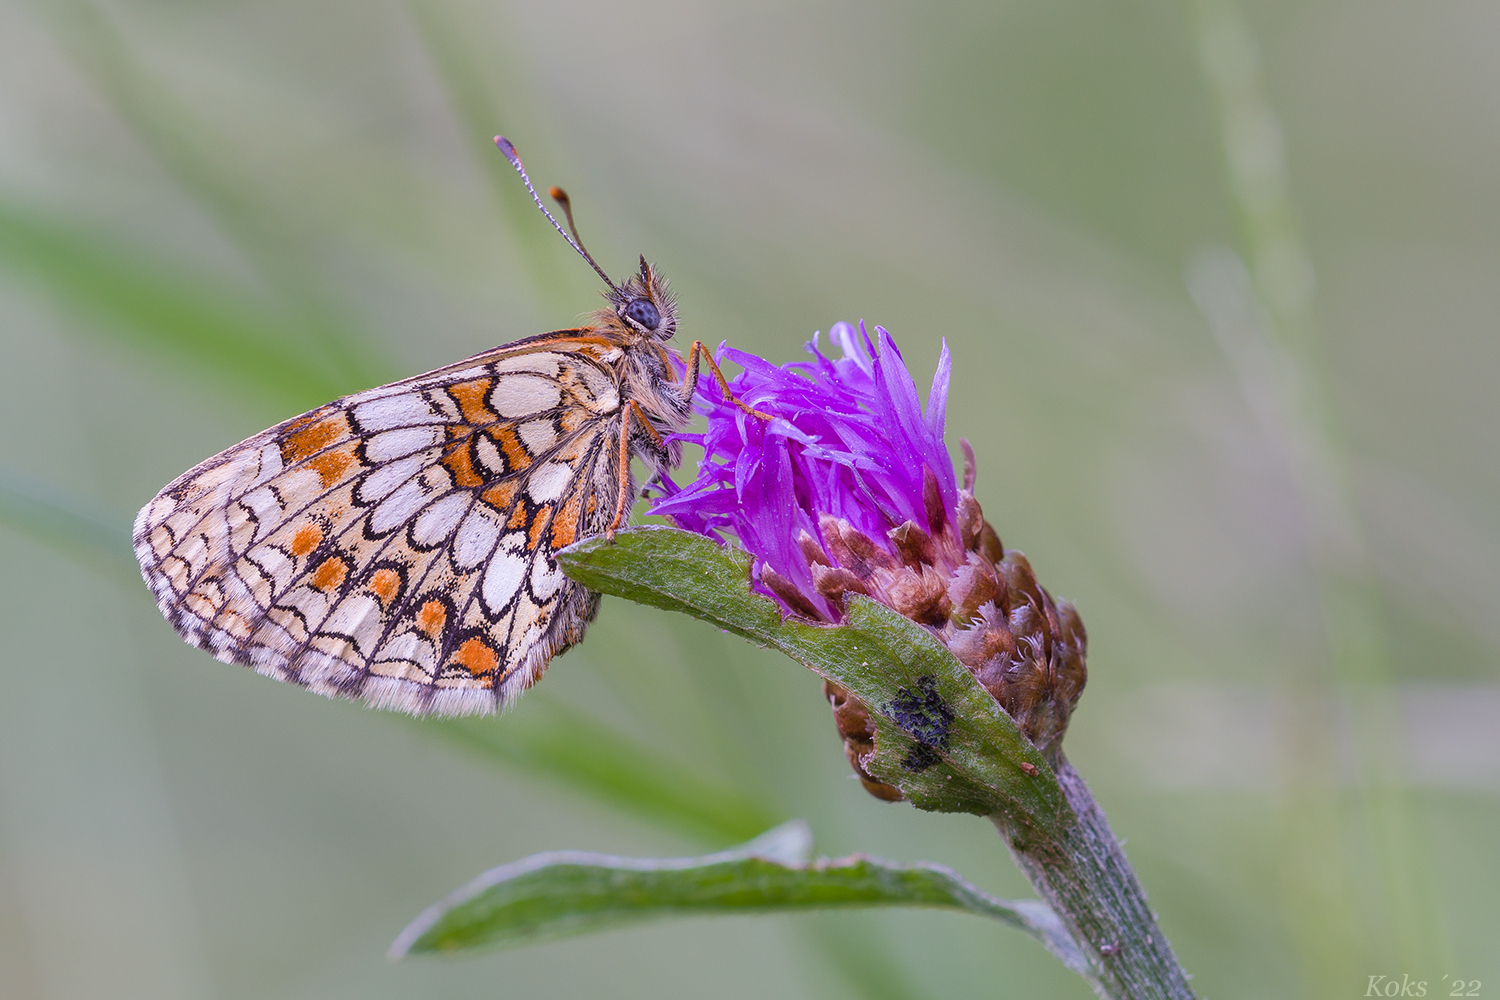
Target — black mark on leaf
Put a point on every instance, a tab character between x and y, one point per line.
922	715
919	758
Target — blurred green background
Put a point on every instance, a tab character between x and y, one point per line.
1276	500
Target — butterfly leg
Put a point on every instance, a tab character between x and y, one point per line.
626	497
698	353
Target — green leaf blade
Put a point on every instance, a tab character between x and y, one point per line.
565	893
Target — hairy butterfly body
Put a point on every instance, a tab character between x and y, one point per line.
398	545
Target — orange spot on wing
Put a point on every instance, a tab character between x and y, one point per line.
330	573
331	465
501	495
306	539
516	455
517	517
385	584
471	399
477	657
539	524
302	439
431	618
458	460
565	524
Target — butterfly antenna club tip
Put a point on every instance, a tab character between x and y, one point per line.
508	148
560	196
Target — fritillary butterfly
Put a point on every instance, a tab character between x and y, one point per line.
399	545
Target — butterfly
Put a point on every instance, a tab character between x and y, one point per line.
399	545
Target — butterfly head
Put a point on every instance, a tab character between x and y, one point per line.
644	306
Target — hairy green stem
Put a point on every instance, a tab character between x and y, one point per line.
1081	872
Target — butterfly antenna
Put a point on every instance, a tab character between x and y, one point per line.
505	146
560	196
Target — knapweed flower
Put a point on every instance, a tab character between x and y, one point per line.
849	489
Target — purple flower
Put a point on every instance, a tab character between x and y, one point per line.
849	489
849	452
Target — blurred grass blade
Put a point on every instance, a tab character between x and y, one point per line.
574	748
563	893
65	523
165	309
476	105
193	151
940	737
1266	321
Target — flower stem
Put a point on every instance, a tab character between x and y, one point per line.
1081	872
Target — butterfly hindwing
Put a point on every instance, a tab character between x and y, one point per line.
397	545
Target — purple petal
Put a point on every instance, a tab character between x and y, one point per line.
848	437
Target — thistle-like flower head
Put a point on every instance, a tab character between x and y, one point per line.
849	488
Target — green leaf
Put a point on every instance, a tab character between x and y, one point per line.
563	893
940	737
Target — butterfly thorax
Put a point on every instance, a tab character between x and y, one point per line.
649	371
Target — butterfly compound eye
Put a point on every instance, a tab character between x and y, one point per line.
643	313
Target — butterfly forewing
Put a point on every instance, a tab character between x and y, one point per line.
397	545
